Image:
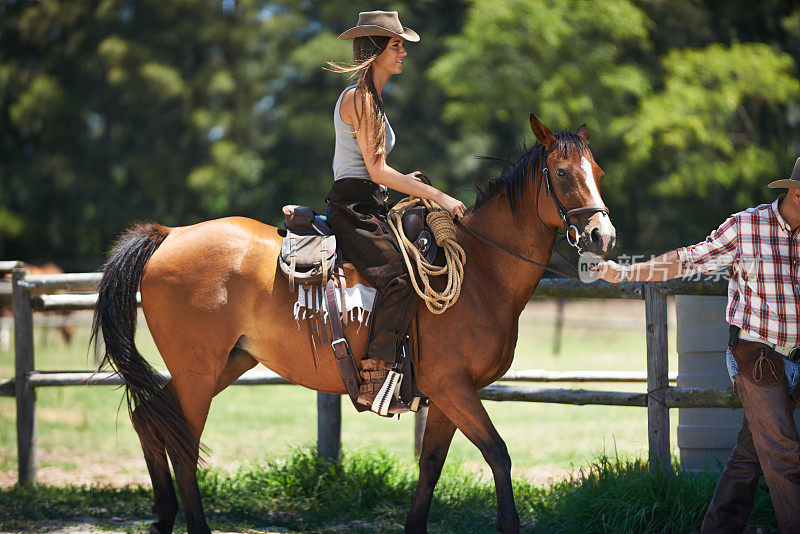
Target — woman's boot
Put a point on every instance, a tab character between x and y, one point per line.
374	373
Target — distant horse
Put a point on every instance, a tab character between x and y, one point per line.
66	328
216	306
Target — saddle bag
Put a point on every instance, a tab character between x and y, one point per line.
307	259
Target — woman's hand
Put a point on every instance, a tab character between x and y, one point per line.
414	176
454	207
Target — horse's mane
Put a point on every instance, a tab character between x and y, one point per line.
512	181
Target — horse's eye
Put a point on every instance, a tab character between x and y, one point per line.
561	172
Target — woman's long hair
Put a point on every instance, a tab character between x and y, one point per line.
365	51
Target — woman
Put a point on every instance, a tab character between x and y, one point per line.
358	201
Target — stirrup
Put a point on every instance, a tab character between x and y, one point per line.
385	395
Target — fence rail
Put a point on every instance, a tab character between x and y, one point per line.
34	292
264	378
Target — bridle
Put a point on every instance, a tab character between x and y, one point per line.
563	212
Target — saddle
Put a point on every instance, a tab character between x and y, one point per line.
309	257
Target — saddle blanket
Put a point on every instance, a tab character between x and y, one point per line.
358	301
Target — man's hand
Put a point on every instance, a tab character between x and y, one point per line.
611	271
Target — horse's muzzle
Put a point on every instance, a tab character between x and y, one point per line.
599	235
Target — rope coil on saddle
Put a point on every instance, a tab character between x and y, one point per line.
444	231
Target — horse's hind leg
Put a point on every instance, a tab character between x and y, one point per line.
435	444
194	395
165	503
460	403
239	362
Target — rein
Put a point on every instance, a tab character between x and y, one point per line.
511	252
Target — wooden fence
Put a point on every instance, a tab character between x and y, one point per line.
34	293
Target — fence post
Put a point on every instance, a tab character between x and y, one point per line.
657	377
558	328
25	393
329	426
420	418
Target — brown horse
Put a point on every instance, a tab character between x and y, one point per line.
216	306
67	328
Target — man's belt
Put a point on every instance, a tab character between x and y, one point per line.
784	351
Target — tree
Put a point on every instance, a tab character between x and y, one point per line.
672	127
706	136
117	111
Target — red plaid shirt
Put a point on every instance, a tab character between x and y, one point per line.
764	260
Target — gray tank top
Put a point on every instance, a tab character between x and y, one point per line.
348	161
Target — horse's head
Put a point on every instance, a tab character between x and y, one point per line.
568	189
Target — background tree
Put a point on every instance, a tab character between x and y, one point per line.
674	128
113	111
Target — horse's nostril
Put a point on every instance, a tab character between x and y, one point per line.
595	236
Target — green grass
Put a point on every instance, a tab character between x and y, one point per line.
371	493
82	429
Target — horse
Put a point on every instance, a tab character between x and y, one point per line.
67	328
216	306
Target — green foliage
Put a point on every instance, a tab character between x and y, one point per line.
372	493
700	128
614	496
557	58
115	111
672	126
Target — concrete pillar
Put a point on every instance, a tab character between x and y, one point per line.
705	435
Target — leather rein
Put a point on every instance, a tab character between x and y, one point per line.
563	213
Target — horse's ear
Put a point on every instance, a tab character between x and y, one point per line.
542	132
583	133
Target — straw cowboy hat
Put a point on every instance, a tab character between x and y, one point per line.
379	23
791	183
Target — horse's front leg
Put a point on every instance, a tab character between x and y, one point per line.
435	444
460	404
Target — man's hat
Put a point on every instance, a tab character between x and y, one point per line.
791	183
385	23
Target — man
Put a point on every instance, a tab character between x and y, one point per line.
761	246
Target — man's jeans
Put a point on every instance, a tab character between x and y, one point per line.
790	369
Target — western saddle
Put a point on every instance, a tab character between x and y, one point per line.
309	257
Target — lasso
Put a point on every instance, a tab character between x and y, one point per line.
444	231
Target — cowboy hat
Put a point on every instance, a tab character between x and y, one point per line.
385	23
791	183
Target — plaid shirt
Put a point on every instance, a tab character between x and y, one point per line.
764	285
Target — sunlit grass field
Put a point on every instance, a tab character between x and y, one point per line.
84	433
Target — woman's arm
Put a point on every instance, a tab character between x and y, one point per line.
381	173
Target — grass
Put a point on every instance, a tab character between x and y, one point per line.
262	474
371	493
82	430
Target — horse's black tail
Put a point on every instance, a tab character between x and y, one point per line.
154	410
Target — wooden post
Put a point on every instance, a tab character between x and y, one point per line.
329	426
420	418
558	328
657	378
25	393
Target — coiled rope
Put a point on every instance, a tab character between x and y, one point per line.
444	231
